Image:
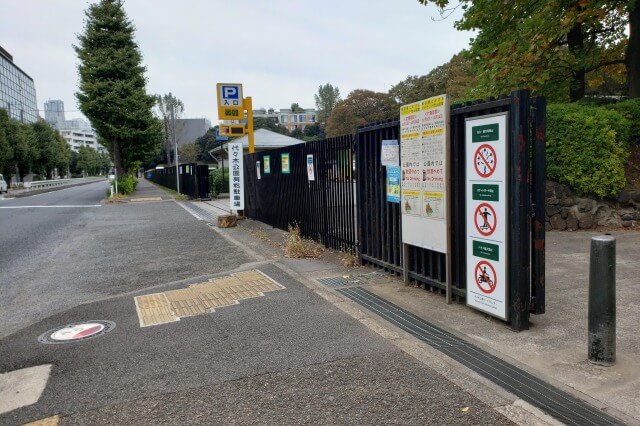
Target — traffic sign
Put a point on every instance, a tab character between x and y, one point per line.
230	101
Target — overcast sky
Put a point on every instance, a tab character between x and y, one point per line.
280	50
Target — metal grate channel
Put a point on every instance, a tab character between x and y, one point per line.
206	215
351	280
559	404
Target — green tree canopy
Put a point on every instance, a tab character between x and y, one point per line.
112	91
454	78
360	107
188	152
326	99
551	47
168	108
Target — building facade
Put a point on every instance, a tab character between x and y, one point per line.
77	132
54	112
17	90
297	120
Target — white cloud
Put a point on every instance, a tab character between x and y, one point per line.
280	50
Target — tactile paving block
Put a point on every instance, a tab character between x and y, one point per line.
154	309
203	297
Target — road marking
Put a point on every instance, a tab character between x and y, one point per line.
22	387
49	421
202	298
53	207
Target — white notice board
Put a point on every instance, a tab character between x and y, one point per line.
424	143
486	216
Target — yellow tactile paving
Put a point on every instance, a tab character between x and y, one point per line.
204	297
49	421
154	309
186	303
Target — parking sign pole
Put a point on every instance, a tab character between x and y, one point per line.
249	106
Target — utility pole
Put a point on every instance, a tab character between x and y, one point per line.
175	147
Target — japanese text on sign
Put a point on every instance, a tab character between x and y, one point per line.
236	176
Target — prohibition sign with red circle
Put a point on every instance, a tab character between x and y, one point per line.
486	278
485	219
484	160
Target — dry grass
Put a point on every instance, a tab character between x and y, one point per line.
260	235
349	260
300	248
117	199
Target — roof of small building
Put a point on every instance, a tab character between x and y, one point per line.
265	139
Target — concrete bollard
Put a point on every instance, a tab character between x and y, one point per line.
602	301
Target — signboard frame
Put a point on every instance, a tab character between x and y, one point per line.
230	103
236	175
487	192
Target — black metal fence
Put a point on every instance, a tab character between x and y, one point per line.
323	208
194	179
326	208
379	222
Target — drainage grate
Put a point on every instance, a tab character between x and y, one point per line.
550	399
350	280
339	282
206	215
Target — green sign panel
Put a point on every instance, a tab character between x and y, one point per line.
484	192
486	133
486	250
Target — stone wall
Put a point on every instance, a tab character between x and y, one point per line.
566	211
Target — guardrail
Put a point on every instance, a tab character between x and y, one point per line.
42	184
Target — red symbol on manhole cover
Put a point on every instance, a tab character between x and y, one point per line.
485	219
486	277
77	331
484	160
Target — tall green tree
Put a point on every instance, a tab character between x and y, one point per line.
46	147
326	99
169	109
112	92
551	46
360	107
7	163
188	152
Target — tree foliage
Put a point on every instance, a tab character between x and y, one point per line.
34	147
269	124
553	47
88	162
454	78
326	99
168	109
188	152
360	107
112	91
295	107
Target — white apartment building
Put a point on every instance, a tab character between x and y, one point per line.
77	132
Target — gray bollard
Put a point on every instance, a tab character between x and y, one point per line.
602	301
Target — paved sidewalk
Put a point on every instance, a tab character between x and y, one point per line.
555	347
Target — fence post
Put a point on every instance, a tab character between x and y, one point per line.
602	301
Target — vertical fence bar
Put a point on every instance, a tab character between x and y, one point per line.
519	208
539	174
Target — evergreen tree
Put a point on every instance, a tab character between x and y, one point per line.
112	92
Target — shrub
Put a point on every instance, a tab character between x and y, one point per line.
127	184
630	109
217	183
587	148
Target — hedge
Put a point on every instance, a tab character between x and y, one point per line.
587	147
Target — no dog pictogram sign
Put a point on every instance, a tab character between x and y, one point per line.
485	219
484	160
486	277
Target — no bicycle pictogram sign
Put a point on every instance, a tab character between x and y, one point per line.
486	277
485	219
484	160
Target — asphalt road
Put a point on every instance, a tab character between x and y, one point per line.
289	357
63	248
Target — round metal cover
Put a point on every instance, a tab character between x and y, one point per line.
77	331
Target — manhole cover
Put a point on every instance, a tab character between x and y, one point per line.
77	331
